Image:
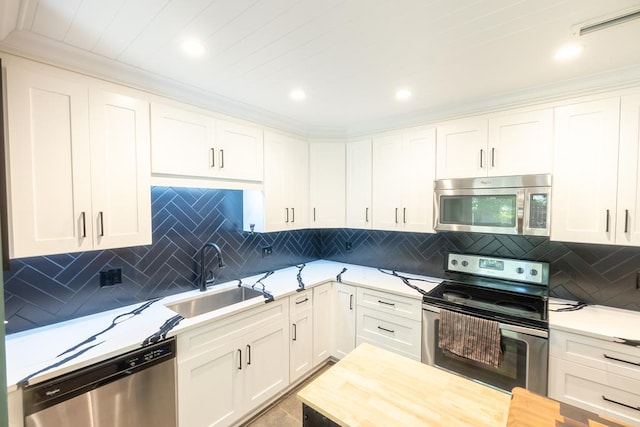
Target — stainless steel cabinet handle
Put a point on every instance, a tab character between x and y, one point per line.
294	332
391	331
404	215
213	157
351	302
366	214
287	220
606	356
481	155
636	408
493	157
293	214
221	159
248	355
314	214
386	303
607	225
84	224
239	359
301	301
626	220
396	215
101	217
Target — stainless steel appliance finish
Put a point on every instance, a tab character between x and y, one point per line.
134	389
504	205
512	292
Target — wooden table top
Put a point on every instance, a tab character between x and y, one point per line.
374	387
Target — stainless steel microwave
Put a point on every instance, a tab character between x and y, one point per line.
504	205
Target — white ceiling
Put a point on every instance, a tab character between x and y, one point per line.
350	56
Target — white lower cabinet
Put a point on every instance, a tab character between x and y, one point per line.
301	334
322	323
389	321
344	319
228	368
597	375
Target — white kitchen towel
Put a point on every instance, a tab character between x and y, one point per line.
470	337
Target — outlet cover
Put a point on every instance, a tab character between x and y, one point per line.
347	246
266	251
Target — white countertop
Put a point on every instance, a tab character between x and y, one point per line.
39	354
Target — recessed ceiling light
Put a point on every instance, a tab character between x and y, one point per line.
403	94
193	47
568	51
298	94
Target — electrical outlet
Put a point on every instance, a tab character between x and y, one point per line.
110	277
347	246
266	251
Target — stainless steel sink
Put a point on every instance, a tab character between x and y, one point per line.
209	302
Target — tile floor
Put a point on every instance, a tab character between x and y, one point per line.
286	412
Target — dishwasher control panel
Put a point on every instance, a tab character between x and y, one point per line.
151	355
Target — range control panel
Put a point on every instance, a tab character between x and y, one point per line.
500	268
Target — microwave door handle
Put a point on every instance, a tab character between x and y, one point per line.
520	208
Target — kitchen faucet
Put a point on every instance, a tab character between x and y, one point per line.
208	278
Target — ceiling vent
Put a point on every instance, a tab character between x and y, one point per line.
606	22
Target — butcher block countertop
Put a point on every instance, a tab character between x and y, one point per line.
374	387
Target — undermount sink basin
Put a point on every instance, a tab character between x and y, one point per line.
209	302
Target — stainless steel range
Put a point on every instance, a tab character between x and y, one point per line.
508	294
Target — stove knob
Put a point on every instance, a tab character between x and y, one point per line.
465	263
454	262
519	270
533	272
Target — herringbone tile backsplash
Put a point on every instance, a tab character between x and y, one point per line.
45	290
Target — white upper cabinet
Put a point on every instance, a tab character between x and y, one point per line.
284	203
327	185
513	144
462	149
628	206
521	144
359	184
585	172
78	155
403	174
192	144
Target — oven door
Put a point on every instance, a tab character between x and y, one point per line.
525	354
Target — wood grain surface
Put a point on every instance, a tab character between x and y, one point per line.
374	387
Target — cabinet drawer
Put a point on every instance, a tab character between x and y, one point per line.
612	357
390	303
394	333
595	390
191	343
301	301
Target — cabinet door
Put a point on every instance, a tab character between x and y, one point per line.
359	184
387	182
418	168
210	387
239	152
462	149
266	363
119	170
49	164
521	144
327	185
584	173
322	323
628	211
301	344
344	319
182	142
286	179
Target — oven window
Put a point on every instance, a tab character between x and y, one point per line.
512	372
486	210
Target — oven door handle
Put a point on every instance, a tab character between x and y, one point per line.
503	326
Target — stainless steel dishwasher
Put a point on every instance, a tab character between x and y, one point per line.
133	389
